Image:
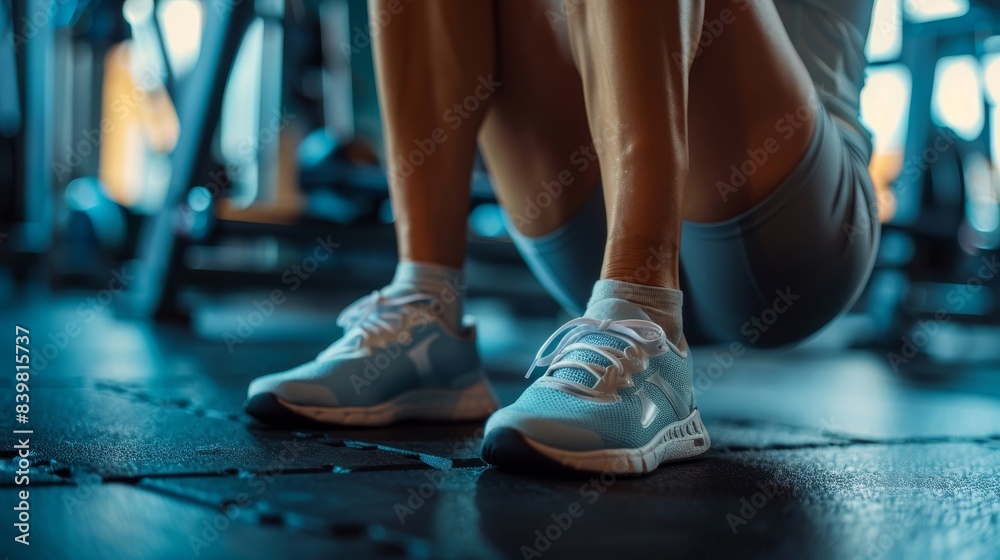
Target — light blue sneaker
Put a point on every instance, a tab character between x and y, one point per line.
396	361
617	397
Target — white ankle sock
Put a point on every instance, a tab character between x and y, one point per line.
446	284
663	305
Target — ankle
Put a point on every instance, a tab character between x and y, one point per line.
446	284
663	305
651	265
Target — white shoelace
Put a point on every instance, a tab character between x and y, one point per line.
645	340
371	315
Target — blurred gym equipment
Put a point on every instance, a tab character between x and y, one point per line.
199	238
26	123
945	225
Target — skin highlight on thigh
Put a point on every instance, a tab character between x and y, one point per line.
535	139
754	114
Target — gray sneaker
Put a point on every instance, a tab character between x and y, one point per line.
396	361
617	396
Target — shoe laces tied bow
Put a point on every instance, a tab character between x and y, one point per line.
644	340
371	315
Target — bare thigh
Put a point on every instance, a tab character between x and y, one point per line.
752	100
535	138
749	92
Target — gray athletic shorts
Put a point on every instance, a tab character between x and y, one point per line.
772	276
787	267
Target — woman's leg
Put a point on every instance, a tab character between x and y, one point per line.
782	226
617	394
620	397
679	114
753	102
747	78
637	99
535	139
435	64
538	148
405	353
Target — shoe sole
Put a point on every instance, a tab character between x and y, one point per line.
475	402
511	449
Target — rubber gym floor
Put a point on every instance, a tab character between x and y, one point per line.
140	449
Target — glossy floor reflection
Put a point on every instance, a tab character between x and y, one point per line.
141	450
